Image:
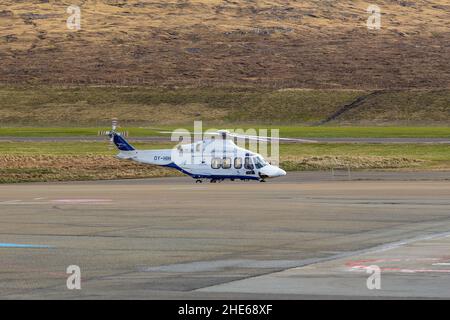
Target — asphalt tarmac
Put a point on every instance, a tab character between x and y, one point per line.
304	236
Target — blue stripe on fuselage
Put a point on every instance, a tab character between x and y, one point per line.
203	176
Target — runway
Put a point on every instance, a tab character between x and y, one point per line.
157	139
305	236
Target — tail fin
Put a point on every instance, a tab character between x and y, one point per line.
121	143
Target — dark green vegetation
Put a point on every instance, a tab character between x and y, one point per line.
54	106
285	131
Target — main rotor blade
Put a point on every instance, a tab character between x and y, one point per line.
175	132
183	132
262	138
243	136
298	140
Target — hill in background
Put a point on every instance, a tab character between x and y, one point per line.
280	44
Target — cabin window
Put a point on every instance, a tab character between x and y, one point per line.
238	163
248	163
226	163
216	163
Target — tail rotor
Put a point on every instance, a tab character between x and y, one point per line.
111	133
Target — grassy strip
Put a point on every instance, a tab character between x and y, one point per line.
435	152
43	132
427	152
69	148
417	156
285	131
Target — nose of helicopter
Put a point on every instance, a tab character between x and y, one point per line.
272	171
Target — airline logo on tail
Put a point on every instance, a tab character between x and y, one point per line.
122	144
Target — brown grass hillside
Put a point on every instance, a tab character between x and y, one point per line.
309	43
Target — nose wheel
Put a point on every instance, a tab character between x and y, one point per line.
262	177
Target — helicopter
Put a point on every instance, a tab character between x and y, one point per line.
215	157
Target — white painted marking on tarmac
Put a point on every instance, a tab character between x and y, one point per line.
24	203
215	265
314	261
58	201
394	245
188	188
10	202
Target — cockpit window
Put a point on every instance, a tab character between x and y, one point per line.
259	162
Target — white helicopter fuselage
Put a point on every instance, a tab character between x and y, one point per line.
206	159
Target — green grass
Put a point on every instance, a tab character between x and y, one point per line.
363	132
69	148
43	132
88	106
429	152
91	107
285	131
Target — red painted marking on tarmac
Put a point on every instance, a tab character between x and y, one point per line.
81	201
366	264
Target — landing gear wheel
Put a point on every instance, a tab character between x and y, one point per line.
262	180
198	181
213	181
